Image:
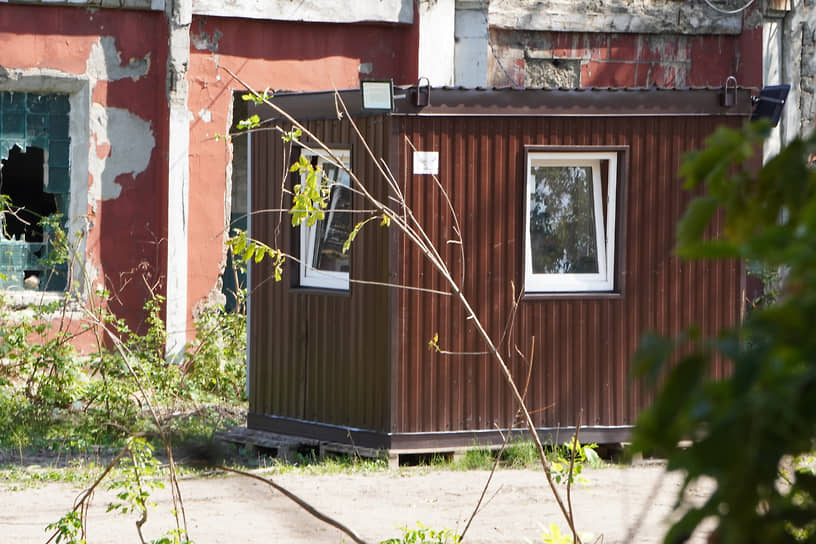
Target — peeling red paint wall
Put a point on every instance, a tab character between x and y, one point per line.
125	239
265	54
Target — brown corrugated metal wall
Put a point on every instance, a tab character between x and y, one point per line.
319	356
582	345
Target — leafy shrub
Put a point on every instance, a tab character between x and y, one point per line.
745	426
52	397
424	535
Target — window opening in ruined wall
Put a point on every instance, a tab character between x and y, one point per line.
35	179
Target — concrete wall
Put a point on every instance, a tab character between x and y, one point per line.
688	17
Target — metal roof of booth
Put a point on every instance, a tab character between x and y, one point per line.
508	101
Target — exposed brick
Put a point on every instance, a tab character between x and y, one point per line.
623	47
713	60
608	74
569	45
662	47
598	47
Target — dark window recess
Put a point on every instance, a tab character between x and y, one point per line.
34	176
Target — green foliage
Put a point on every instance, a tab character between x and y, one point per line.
385	221
310	197
216	360
424	535
476	458
68	529
176	536
745	426
553	535
245	249
257	98
50	397
138	478
252	122
40	374
575	455
522	454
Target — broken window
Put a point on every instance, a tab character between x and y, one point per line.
35	184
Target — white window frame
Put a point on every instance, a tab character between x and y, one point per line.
309	276
604	279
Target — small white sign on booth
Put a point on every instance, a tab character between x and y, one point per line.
426	162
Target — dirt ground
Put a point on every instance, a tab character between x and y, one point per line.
232	509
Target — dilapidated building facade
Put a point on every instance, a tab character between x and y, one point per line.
113	112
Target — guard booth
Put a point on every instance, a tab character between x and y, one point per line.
565	200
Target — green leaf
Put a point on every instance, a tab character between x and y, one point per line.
693	224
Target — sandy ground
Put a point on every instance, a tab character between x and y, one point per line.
233	509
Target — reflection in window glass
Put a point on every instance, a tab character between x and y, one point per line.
569	237
562	220
333	231
323	263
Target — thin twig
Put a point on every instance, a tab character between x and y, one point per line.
125	354
569	474
86	494
297	500
507	334
140	498
487	484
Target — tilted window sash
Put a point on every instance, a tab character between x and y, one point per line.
323	263
570	221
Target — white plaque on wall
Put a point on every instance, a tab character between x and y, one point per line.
426	162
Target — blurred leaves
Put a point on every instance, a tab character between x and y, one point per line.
744	427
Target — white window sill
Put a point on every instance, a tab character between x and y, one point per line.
22	299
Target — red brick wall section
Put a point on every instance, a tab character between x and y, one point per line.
629	60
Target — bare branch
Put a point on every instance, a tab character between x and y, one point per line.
574	446
487	484
297	500
85	495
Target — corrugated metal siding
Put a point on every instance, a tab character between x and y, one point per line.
582	345
317	356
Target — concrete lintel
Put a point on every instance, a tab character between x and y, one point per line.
622	16
318	11
151	5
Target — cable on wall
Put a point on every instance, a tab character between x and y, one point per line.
729	11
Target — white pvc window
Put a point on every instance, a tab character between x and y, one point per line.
323	263
570	221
